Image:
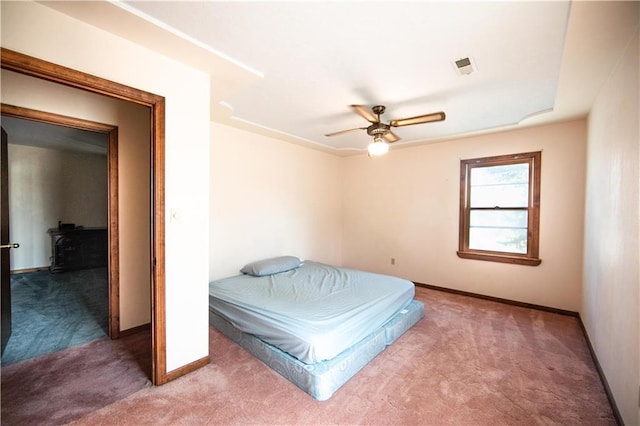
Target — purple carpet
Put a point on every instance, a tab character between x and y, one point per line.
63	386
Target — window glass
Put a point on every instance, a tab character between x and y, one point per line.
503	186
500	230
507	219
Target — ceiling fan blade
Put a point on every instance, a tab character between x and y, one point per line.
390	137
419	119
365	112
344	131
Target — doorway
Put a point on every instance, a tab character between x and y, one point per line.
62	168
34	67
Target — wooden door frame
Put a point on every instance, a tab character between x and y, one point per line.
112	190
34	67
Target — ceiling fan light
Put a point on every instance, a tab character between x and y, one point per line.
378	147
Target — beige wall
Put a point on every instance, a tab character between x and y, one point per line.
611	255
405	206
47	186
39	31
134	211
271	198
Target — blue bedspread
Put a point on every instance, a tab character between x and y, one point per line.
313	312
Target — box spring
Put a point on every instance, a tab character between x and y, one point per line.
321	380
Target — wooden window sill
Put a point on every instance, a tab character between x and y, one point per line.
502	258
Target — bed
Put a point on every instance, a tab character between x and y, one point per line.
315	324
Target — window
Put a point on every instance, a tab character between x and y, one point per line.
500	208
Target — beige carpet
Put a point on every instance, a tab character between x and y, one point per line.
468	362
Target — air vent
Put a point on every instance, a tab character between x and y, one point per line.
464	66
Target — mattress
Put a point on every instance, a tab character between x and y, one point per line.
321	380
313	312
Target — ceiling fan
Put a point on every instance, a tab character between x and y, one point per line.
381	132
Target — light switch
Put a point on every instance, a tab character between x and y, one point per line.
175	215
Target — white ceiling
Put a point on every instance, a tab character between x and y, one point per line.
291	69
319	57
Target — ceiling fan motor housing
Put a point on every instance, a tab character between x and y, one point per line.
377	129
